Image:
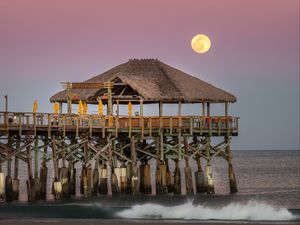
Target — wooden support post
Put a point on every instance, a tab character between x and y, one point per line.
134	179
114	171
123	178
226	109
102	188
199	177
231	174
170	183
208	109
203	109
188	171
8	178
44	172
57	185
86	177
2	186
158	172
208	169
64	174
129	177
160	108
16	181
177	178
179	146
30	182
60	107
37	185
95	178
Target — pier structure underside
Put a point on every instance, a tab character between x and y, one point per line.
115	153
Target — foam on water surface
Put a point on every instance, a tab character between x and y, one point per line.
252	210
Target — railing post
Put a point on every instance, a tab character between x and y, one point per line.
49	126
150	126
34	124
20	124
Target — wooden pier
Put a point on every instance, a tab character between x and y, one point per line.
115	150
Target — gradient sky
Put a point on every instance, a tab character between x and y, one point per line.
254	54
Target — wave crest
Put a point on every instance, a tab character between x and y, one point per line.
252	210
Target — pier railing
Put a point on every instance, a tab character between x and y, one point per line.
146	125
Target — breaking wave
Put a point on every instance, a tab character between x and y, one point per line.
251	210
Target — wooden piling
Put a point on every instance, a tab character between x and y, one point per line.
95	178
129	177
188	171
208	168
135	172
8	178
72	178
231	174
44	172
199	177
177	178
170	183
64	174
57	185
102	188
30	182
37	185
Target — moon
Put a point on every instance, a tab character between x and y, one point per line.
200	43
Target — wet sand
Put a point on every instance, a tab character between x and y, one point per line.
127	222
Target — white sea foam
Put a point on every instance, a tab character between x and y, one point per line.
252	210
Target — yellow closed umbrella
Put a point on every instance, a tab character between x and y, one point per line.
129	108
56	108
85	108
100	108
80	107
35	107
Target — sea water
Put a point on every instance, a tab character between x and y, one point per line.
268	184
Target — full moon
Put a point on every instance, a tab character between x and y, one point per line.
200	43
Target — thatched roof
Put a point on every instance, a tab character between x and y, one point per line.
155	81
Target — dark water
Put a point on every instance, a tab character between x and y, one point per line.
269	190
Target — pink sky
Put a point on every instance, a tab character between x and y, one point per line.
254	54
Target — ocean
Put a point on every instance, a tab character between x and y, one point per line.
268	193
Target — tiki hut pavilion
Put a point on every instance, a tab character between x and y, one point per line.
120	147
145	81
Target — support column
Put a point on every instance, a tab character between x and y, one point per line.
134	179
2	185
37	184
170	183
44	171
123	178
203	108
57	185
208	169
86	173
231	174
16	181
188	171
177	178
95	178
30	182
199	177
8	178
64	174
102	188
115	189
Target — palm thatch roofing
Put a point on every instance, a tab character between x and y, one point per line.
152	80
